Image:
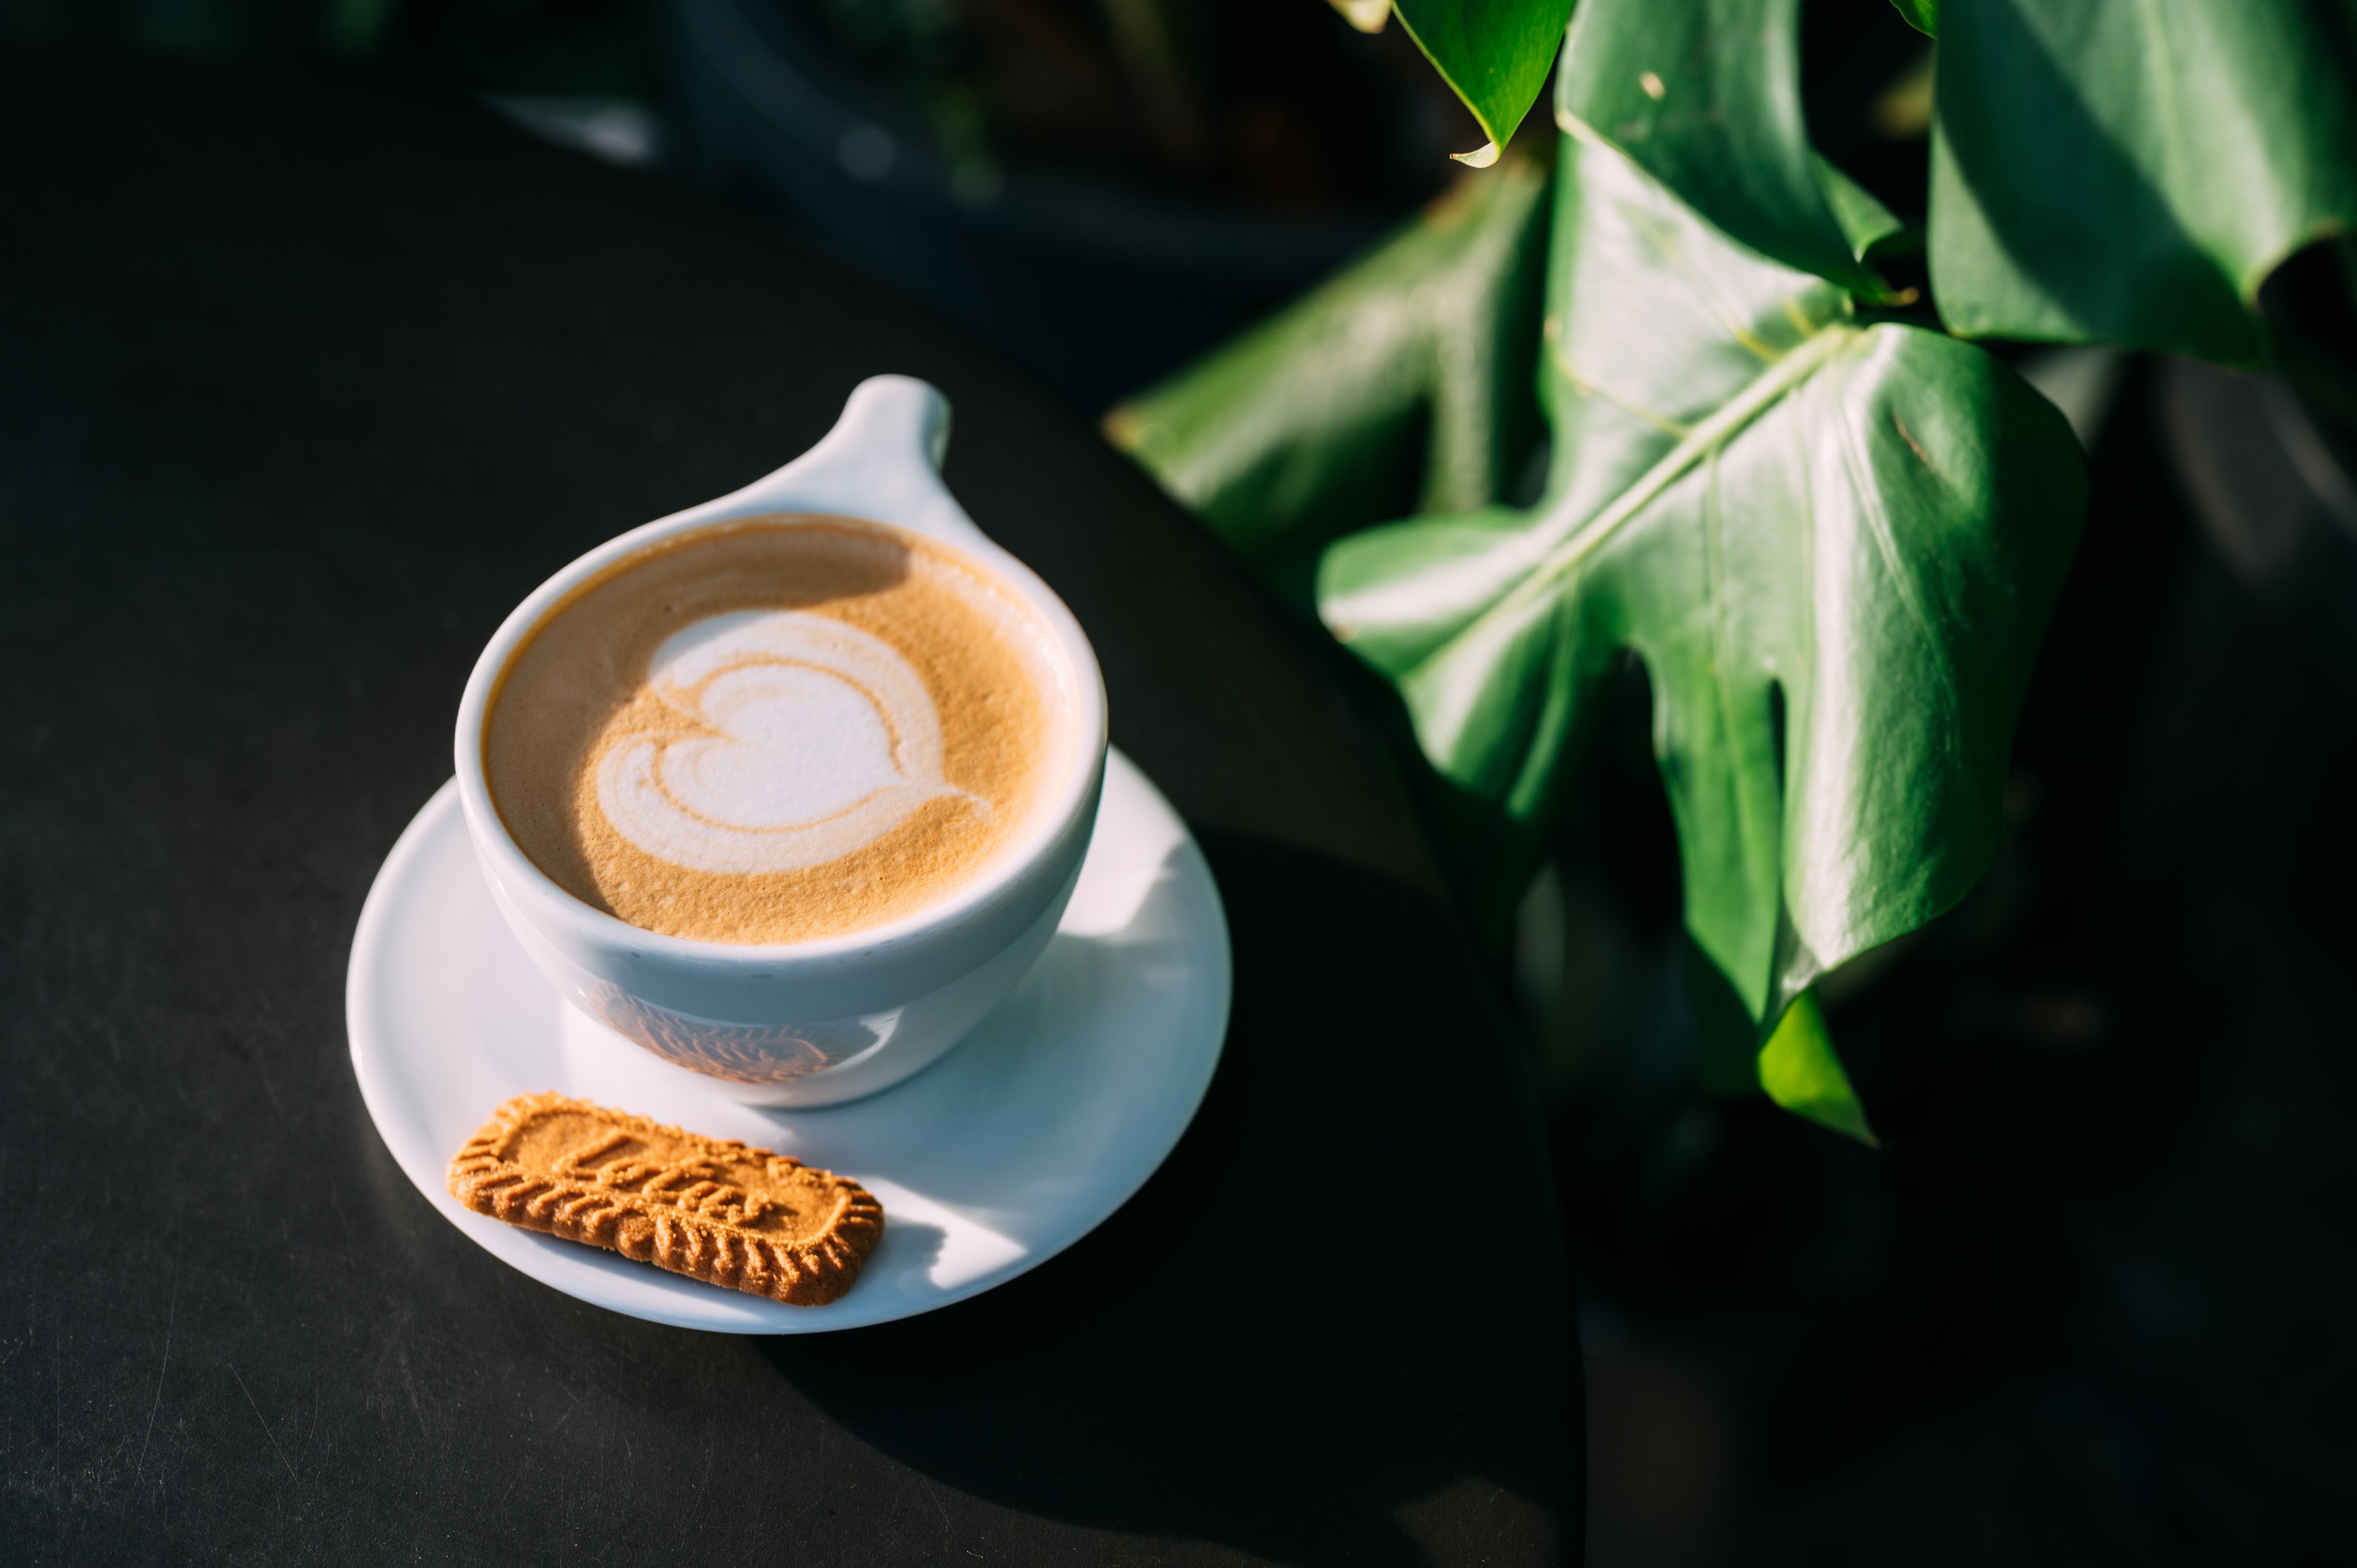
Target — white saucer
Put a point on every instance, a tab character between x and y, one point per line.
1012	1147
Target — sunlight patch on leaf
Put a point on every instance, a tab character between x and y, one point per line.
1801	1072
1367	15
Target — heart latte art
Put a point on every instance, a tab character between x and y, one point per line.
810	739
777	731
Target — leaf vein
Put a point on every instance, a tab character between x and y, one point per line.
1629	405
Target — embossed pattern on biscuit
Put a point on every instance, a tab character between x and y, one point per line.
712	1208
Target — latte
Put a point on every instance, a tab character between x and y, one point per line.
778	729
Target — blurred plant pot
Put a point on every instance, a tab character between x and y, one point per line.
1093	284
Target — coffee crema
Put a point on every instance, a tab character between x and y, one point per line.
777	729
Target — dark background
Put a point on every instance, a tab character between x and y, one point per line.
2089	1302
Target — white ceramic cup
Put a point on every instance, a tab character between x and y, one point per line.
821	1022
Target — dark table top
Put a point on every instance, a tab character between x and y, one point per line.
301	393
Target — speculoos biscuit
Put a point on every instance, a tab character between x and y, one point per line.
712	1208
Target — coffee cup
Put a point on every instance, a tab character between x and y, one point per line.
835	1016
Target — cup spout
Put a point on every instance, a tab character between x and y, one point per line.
882	461
895	413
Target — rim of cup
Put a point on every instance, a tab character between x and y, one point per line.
994	563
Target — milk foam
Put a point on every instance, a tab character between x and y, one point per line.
804	739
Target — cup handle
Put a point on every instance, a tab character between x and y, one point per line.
881	461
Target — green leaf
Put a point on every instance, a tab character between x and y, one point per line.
1794	1059
1495	54
1871	229
2108	171
1923	16
1705	95
1857	532
1308	426
1801	1072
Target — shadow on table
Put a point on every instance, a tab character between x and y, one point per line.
1340	1302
